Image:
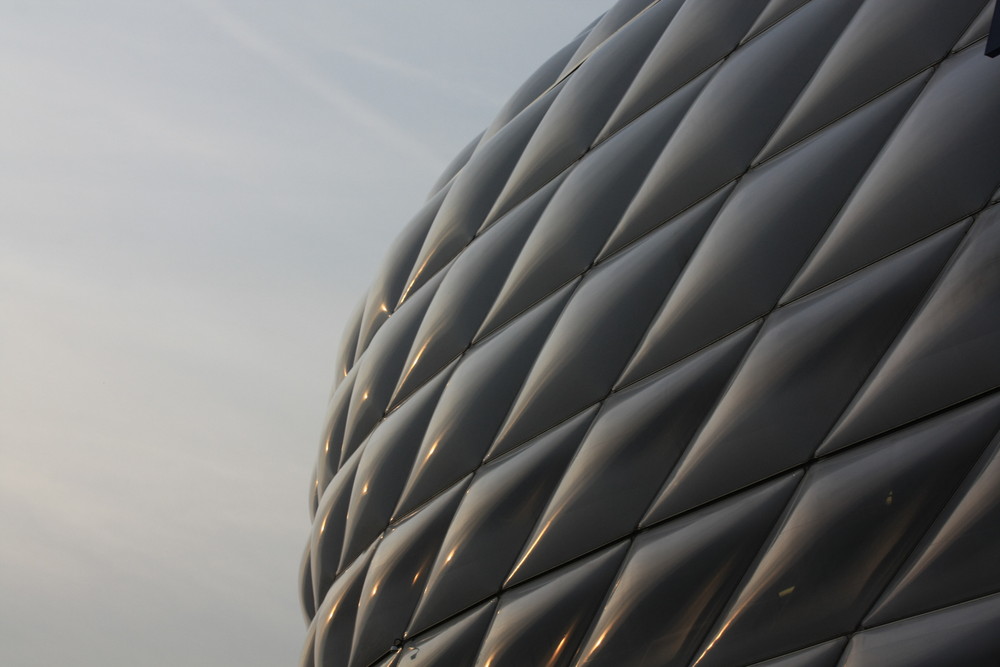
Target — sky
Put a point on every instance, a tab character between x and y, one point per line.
195	194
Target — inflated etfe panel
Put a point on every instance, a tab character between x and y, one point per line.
691	358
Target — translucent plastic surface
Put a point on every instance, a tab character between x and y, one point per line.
808	362
853	521
628	453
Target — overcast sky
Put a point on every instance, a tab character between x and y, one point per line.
193	196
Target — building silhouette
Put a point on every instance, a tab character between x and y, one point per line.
691	358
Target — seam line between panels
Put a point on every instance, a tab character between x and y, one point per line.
968	26
954	221
933	66
467	481
396	520
860	627
804	467
969	45
770	26
595	144
701	649
807	464
904	327
592	625
593	264
949	503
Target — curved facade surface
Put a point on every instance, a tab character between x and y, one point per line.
691	358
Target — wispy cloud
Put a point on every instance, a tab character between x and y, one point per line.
305	75
411	72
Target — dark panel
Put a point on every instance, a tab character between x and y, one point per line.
475	401
958	560
451	644
541	622
947	353
586	208
391	277
810	359
962	635
495	518
473	192
715	143
583	105
853	521
628	453
822	655
383	466
676	579
764	233
881	47
334	622
598	331
941	165
380	367
700	34
397	575
327	538
466	292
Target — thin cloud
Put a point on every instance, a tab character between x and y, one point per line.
307	77
412	72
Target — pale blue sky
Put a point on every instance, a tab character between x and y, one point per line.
194	195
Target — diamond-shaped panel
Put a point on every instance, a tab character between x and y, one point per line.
691	358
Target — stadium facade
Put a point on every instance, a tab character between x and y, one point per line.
691	358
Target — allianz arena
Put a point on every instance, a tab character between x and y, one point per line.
691	358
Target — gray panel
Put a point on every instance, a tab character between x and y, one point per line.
382	468
792	199
332	443
391	278
467	291
821	655
456	164
979	28
962	635
454	643
495	518
397	575
541	622
948	353
327	535
473	192
809	360
334	622
638	436
348	344
583	212
544	78
881	47
464	423
598	331
582	107
380	367
958	560
714	144
939	167
621	13
774	12
853	521
677	577
307	658
700	35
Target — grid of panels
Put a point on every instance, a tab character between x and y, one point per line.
689	359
